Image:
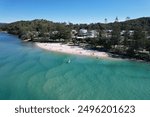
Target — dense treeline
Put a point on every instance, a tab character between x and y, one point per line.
143	23
38	30
129	39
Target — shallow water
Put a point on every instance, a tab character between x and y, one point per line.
28	72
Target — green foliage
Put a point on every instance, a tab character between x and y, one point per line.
41	30
139	39
116	34
63	32
131	45
106	42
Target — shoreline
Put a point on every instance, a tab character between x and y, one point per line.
76	50
70	49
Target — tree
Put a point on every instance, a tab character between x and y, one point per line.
126	33
127	18
148	46
106	21
63	32
116	20
139	39
115	34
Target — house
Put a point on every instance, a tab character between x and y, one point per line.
55	32
148	37
82	32
131	32
92	34
122	32
107	33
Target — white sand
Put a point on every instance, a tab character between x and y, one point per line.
64	48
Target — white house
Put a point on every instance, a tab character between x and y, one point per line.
92	34
83	32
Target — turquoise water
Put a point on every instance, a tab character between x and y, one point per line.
28	72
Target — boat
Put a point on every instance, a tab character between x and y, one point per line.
69	61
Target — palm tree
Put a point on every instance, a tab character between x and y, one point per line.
105	20
127	18
116	20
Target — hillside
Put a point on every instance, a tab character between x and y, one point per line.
119	41
3	24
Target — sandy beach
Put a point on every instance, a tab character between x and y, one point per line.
64	48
